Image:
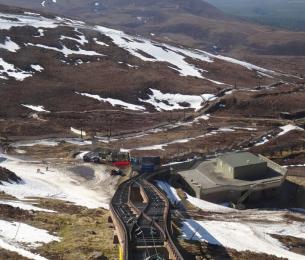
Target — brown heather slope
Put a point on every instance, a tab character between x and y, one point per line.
118	73
192	23
111	70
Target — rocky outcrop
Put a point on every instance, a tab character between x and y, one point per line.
8	176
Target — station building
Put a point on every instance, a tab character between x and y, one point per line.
242	166
230	176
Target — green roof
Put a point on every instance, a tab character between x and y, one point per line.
241	159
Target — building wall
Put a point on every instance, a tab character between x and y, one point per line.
251	172
231	195
221	196
247	172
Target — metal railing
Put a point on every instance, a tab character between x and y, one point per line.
169	244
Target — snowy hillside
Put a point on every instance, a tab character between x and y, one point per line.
76	41
51	66
248	230
144	49
56	183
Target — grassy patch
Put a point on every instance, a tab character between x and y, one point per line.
186	204
4	196
84	232
294	244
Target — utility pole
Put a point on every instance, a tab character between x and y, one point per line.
109	127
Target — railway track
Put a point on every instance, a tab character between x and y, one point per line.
141	216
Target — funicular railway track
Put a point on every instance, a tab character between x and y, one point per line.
142	224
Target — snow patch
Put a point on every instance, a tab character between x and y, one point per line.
247	65
9	45
36	67
20	238
36	108
52	141
202	204
78	132
207	206
43	142
25	234
57	183
8	21
100	43
81	38
9	70
166	101
287	128
24	205
178	141
66	51
113	102
250	236
170	192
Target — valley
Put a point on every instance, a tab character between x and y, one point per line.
74	81
277	13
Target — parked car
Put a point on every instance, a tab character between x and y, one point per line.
92	157
116	172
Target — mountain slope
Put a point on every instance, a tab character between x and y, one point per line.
193	23
278	13
78	7
62	67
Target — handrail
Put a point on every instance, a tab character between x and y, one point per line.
122	225
164	231
166	216
139	212
171	244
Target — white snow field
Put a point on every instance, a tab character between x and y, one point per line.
167	101
59	183
20	238
251	235
173	55
240	230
